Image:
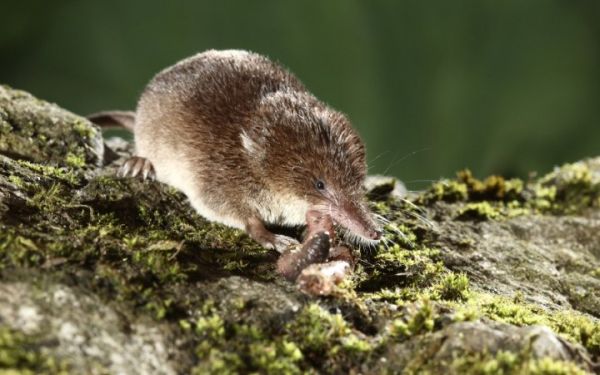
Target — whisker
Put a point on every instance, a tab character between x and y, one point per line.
412	205
422	219
404	157
378	156
381	219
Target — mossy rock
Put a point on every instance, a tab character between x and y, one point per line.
40	132
106	275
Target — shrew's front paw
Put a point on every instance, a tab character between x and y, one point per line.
282	243
266	238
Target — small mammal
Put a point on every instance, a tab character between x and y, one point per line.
248	145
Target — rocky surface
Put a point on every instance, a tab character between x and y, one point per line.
105	275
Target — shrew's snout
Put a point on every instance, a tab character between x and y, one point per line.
356	218
374	234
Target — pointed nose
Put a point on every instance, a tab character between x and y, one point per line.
375	234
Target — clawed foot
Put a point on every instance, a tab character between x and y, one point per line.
277	242
137	166
266	238
282	243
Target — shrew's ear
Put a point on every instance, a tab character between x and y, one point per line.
115	119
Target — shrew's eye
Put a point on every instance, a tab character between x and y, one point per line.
320	185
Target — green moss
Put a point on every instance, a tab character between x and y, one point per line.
211	327
516	208
27	125
403	271
566	190
466	187
16	180
276	358
75	161
50	199
569	189
218	362
494	188
226	348
16	249
322	335
453	286
21	354
313	341
572	325
83	128
444	190
61	174
115	239
478	211
418	318
543	197
511	363
160	264
316	328
412	260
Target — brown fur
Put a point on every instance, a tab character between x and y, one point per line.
242	137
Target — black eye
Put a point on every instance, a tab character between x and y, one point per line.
320	185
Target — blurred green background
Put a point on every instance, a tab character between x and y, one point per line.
433	86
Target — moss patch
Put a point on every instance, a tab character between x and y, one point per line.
572	325
313	341
478	211
21	354
511	363
37	131
140	248
149	259
567	190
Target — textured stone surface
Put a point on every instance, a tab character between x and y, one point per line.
37	131
107	275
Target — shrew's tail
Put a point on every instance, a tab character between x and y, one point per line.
122	119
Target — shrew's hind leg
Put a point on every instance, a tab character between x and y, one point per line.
137	166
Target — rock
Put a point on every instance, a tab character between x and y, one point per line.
379	186
452	347
95	338
37	131
100	274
